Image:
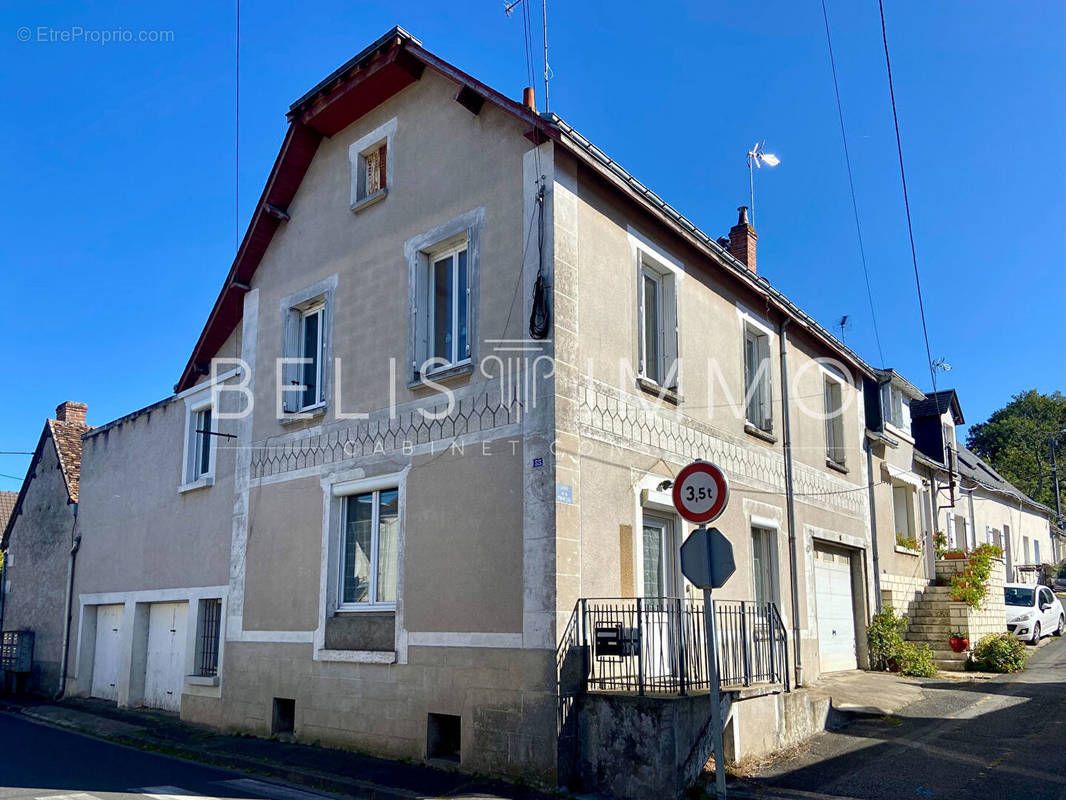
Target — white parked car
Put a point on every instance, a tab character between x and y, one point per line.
1032	611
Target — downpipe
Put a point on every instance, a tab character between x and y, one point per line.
70	599
873	523
790	503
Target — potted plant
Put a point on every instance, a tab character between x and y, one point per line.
959	642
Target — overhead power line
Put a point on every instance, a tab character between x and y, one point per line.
906	198
851	185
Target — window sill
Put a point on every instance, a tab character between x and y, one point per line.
460	370
302	416
839	466
200	483
369	200
759	433
358	656
365	608
908	551
649	386
201	680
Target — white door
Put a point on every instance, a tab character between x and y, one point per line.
835	608
165	663
107	651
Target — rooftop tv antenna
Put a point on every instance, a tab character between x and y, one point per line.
756	158
843	324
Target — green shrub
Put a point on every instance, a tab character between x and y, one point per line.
884	637
917	660
940	544
888	650
1000	652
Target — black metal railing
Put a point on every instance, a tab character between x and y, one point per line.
657	645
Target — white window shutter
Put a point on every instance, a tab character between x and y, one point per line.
671	351
290	374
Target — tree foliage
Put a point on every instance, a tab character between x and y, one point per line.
1016	442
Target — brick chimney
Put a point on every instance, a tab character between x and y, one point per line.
742	238
71	412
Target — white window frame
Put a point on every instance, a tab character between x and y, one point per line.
910	525
451	249
358	150
192	478
834	422
764	396
653	372
892	402
667	272
420	252
318	297
343	492
316	308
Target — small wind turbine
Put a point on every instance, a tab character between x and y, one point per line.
756	158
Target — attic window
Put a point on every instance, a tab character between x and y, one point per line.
371	159
372	170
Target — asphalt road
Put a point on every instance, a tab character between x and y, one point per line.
38	762
999	738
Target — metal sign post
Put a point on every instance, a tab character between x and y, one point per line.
700	495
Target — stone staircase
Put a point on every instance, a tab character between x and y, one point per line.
931	621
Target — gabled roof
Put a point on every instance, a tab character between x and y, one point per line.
975	469
65	437
390	64
938	403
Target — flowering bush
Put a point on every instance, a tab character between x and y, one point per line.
971	585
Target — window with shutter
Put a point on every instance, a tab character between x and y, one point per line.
757	378
370	159
307	325
657	333
834	423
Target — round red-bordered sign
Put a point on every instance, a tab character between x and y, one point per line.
701	492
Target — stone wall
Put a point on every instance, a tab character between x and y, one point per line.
902	591
991	617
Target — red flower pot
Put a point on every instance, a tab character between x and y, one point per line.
954	555
958	643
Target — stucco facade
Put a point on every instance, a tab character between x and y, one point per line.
330	538
37	566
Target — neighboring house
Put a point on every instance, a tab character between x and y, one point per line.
39	544
900	490
998	512
153	569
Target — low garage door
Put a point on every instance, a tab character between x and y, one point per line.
835	607
165	663
106	653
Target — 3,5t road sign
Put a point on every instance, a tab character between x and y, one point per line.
701	492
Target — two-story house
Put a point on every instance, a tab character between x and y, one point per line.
432	422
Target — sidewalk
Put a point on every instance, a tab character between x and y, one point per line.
318	768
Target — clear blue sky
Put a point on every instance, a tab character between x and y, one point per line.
118	168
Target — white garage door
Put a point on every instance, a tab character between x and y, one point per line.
165	663
106	652
835	607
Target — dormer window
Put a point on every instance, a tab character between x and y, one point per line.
892	405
